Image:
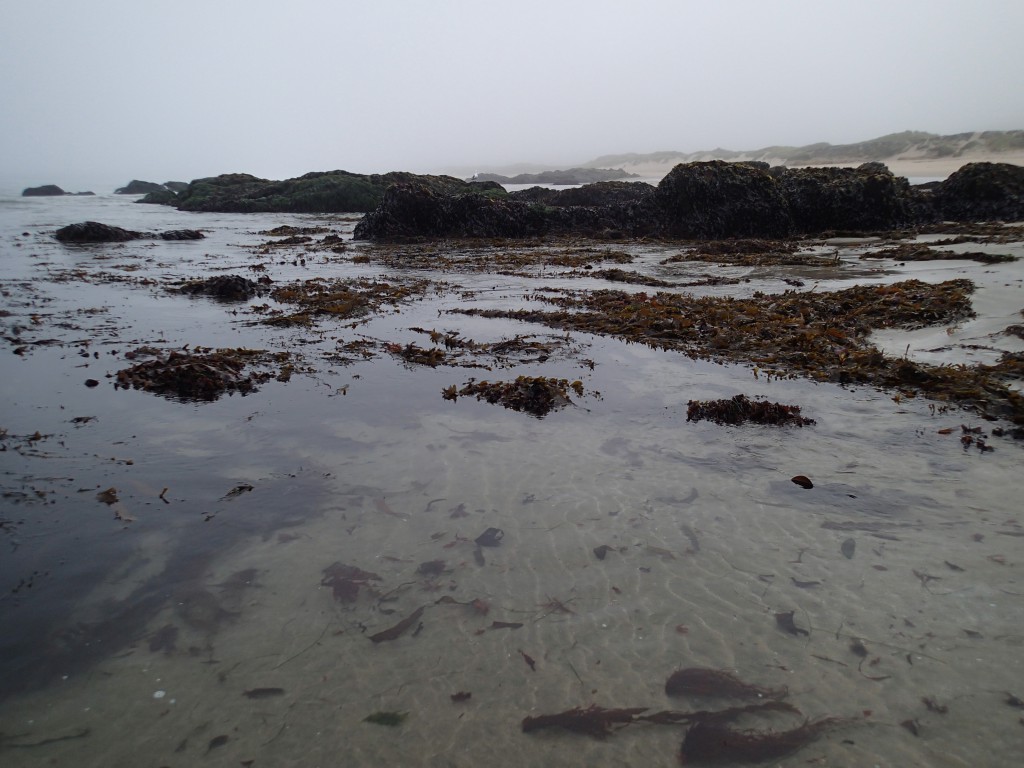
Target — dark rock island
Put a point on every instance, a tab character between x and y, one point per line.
49	190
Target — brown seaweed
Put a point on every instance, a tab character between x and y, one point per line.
593	721
786	624
709	742
698	681
740	409
399	629
263	693
164	639
346	580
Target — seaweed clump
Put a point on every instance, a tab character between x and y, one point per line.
710	742
536	395
739	409
342	299
200	375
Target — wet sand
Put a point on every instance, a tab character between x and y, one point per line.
366	464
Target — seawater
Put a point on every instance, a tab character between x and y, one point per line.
149	632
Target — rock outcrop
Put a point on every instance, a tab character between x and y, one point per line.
319	192
707	200
47	190
136	187
982	192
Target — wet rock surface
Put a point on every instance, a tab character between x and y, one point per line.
982	192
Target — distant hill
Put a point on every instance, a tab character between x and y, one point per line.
587	175
908	145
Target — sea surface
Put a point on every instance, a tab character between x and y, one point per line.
167	595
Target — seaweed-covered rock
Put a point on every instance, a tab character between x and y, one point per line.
719	199
416	211
225	287
182	234
983	191
598	193
160	197
865	198
318	192
95	232
47	190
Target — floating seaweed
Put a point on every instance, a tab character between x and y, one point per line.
709	742
699	681
346	580
461	696
536	395
199	375
740	409
164	639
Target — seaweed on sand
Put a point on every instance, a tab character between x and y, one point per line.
739	409
601	721
709	742
345	581
822	335
343	299
698	681
593	721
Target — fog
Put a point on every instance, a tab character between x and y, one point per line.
97	92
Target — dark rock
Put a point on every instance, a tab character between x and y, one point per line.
94	232
847	199
160	197
136	187
983	192
719	199
319	192
47	190
599	193
182	234
176	186
224	287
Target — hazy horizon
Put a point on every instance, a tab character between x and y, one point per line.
96	94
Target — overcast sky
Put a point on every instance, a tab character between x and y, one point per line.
103	91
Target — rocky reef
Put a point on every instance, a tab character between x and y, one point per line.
317	192
136	187
705	200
